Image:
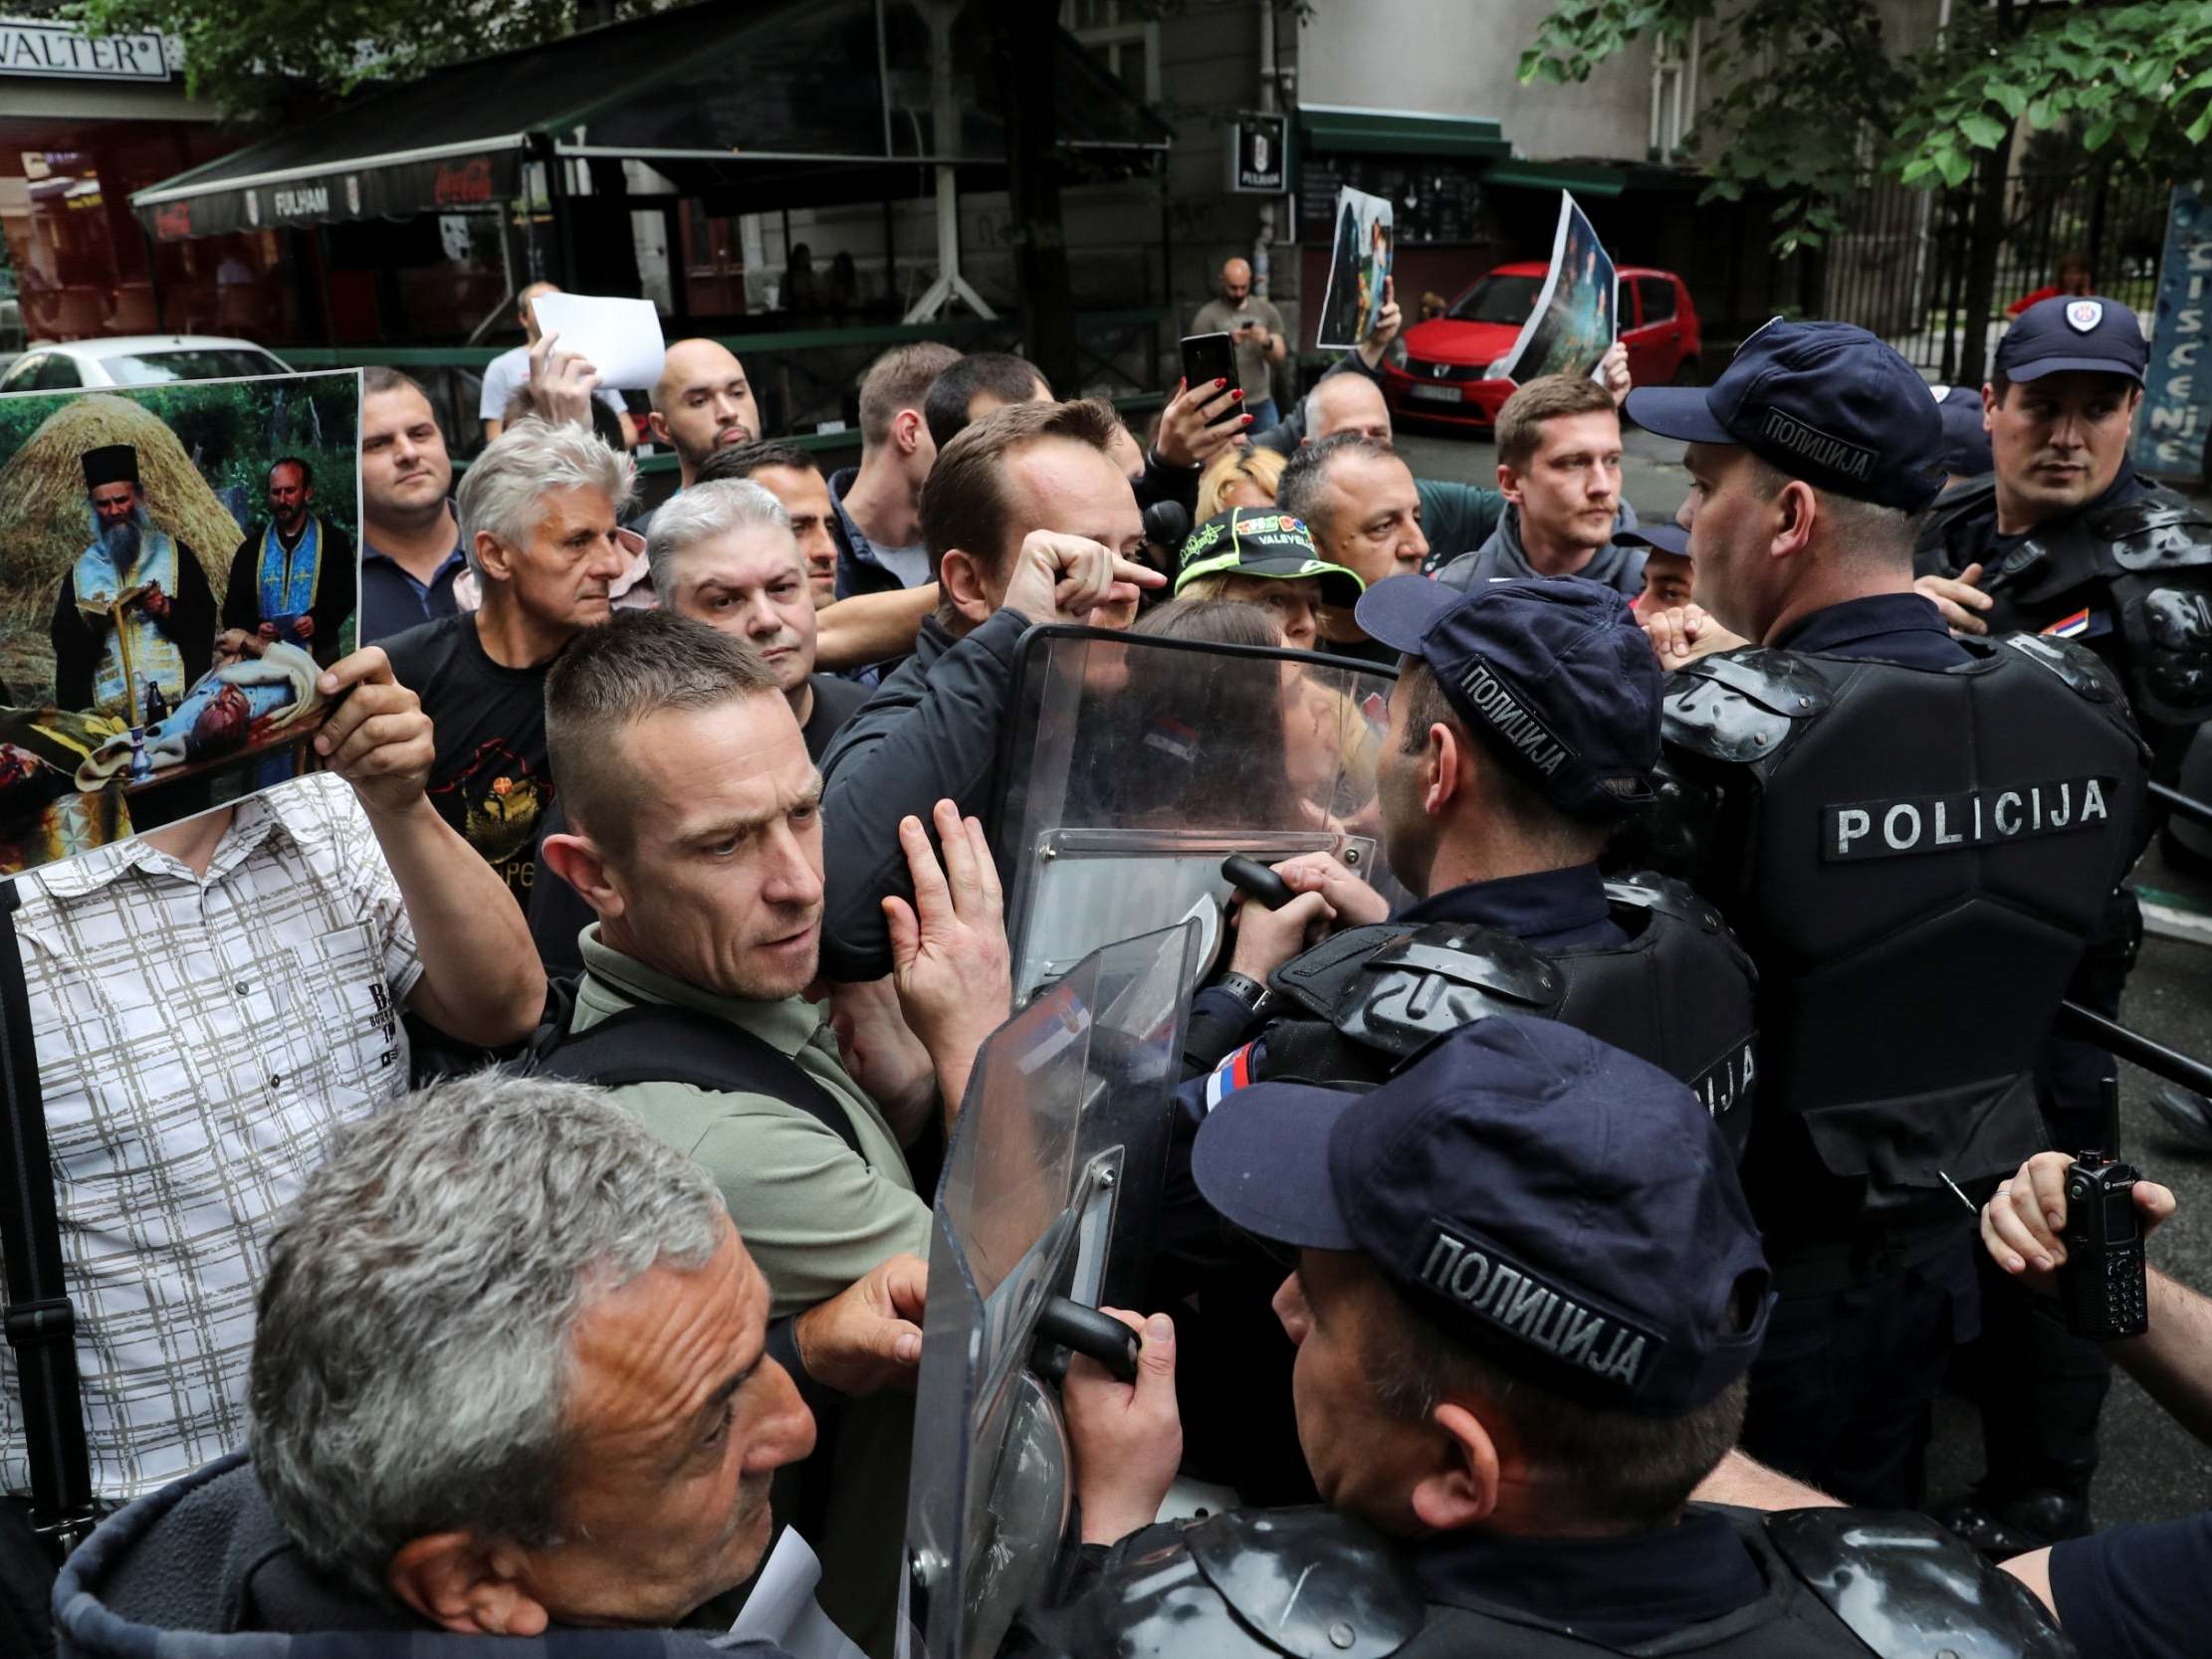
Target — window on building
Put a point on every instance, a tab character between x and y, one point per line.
1124	42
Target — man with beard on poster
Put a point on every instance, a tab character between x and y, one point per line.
135	613
291	578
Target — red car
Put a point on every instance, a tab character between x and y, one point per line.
1443	371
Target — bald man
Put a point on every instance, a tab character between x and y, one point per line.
506	374
702	403
1256	327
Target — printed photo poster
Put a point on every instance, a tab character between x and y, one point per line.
1577	315
178	565
1359	266
2173	429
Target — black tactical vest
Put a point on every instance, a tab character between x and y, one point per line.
1679	995
2147	562
1915	859
1308	1584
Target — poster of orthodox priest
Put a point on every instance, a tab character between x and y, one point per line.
171	584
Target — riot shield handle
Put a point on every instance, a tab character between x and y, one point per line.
2174	800
1089	1331
1255	881
2155	1058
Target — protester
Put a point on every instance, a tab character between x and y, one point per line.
695	832
135	616
538	514
1256	329
222	1051
1359	499
1559	470
1027	521
787	472
513	1378
1242	477
411	549
1506	1393
506	374
291	578
879	502
724	555
1668	576
1808	458
701	404
2073	279
1265	558
968	389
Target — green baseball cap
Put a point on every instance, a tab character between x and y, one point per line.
1261	541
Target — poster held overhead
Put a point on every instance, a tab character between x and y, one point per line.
621	338
1577	315
1359	266
178	563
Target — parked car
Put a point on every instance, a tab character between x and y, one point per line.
1446	369
138	360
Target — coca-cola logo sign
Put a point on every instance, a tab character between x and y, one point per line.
461	186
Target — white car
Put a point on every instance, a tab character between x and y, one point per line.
138	360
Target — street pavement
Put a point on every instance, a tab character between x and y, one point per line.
2151	1470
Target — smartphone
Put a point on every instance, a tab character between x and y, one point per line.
1210	357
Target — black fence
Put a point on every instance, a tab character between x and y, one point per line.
1899	267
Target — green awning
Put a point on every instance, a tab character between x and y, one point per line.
1584	178
1338	129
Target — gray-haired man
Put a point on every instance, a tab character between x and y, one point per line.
514	1374
538	516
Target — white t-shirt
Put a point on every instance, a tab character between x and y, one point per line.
506	374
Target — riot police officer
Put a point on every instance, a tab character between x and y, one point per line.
1526	1292
2065	539
1914	836
1524	730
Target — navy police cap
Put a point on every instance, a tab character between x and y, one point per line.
1554	669
1565	1208
1825	402
1661	536
2074	331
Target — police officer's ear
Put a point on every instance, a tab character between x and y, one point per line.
1797	511
467	1586
960	584
1461	1487
576	860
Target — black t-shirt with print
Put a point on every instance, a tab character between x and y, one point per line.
489	781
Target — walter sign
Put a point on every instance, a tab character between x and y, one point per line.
50	49
1257	160
2175	421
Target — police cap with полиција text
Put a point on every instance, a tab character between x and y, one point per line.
1825	402
1567	1208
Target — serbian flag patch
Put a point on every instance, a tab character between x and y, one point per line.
2068	627
1234	1072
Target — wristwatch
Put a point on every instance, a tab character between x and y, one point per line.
1248	991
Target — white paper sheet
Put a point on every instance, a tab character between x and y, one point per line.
621	338
783	1609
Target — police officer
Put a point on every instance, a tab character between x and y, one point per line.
1523	729
2067	538
1912	834
1526	1291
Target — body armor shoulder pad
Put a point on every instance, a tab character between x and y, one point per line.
1396	989
2161	531
1741	706
1906	1586
1319	1585
2081	668
1931	552
1646	890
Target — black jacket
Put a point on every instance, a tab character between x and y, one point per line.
930	733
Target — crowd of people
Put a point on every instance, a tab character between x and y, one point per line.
494	1171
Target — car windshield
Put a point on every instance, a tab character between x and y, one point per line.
206	362
1498	299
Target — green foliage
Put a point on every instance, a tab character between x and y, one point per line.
241	53
1813	105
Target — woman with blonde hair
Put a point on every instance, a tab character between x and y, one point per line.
1242	477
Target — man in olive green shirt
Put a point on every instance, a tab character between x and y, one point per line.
694	831
1256	328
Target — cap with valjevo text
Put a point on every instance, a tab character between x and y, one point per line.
1261	541
2074	331
1825	402
1660	536
1553	669
1565	1208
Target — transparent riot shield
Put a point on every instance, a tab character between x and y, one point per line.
1134	765
1050	1185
